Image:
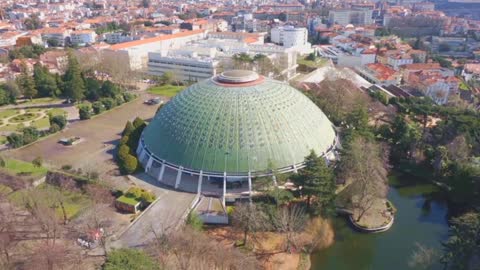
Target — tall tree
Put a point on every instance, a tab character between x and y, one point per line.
248	219
462	248
316	180
45	82
363	166
289	221
26	83
74	84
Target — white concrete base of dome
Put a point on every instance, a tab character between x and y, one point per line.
200	182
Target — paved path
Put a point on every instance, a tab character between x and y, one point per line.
164	215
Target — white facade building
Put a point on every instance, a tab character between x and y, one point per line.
396	61
350	16
291	37
135	53
83	37
186	66
117	37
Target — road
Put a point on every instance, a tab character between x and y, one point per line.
164	215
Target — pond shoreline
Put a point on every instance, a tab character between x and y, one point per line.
414	223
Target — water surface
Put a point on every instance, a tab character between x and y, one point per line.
420	218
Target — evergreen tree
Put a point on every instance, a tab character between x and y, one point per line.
26	83
45	82
317	180
60	84
74	84
462	248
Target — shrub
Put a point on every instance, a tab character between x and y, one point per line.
15	140
2	162
128	96
67	167
98	107
54	128
92	175
129	128
119	100
124	140
134	192
128	164
30	134
109	103
109	89
138	122
85	112
59	120
123	151
37	162
194	221
147	197
129	259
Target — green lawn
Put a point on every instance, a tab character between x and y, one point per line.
8	113
56	111
42	123
3	139
166	90
28	116
14	166
128	200
11	127
319	62
463	86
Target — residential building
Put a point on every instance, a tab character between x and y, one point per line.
57	36
378	74
117	37
434	85
471	72
83	37
350	16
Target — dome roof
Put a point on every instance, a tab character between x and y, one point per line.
238	122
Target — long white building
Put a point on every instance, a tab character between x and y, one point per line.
185	66
135	53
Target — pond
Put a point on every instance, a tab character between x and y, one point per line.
421	218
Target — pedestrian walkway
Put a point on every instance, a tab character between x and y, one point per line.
163	216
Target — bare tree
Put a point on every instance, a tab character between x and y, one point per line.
364	166
248	219
7	232
290	221
190	249
338	96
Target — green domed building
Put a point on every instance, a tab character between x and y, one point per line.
235	125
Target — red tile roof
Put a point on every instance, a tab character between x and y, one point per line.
134	43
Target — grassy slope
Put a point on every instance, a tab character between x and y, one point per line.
74	202
166	90
14	166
